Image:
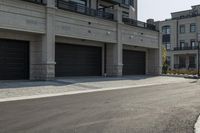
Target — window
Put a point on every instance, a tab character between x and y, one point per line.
128	2
125	14
182	44
131	2
82	2
166	38
168	60
192	43
182	61
166	30
182	28
193	27
192	61
168	46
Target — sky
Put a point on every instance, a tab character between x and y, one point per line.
161	9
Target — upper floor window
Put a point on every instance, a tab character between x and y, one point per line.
166	30
182	44
168	46
182	28
192	43
128	2
82	2
125	14
193	27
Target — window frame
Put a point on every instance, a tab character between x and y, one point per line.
192	41
80	2
180	29
191	25
182	42
166	30
168	46
128	2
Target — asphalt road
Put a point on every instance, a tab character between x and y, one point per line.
171	108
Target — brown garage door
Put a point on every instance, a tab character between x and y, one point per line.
78	60
14	59
134	62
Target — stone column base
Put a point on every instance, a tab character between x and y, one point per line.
114	70
42	71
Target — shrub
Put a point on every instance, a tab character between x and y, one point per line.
188	72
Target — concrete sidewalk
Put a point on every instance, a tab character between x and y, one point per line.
19	90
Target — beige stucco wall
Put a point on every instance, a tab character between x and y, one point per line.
43	26
176	36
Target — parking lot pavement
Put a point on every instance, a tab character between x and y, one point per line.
168	108
17	90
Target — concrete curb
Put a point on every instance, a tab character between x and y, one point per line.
197	126
73	93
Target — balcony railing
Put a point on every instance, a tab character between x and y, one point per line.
183	66
193	66
42	2
186	48
137	23
82	9
186	16
179	66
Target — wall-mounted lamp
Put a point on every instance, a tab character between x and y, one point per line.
131	37
108	33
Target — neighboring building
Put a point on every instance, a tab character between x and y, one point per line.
180	37
43	39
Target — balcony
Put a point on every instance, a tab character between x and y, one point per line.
78	8
139	24
42	2
186	48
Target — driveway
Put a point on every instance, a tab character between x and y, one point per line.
17	90
166	108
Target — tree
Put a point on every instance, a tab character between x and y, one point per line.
164	60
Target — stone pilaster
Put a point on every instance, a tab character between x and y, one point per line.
44	68
114	65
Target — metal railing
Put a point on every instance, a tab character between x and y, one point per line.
183	66
42	2
179	66
140	24
193	66
186	16
186	48
82	9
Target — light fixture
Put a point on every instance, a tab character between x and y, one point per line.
131	37
108	33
